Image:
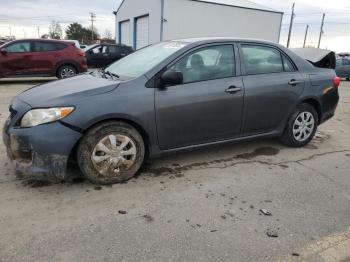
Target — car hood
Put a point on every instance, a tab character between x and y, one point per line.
67	91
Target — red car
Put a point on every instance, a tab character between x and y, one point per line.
41	57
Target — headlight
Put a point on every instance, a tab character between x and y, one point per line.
37	117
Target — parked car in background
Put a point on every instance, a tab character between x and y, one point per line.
41	57
167	97
343	68
75	42
105	54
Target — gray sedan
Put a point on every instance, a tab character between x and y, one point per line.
168	97
343	68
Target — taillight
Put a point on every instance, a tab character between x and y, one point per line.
336	81
81	53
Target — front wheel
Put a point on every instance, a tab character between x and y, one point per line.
301	127
111	153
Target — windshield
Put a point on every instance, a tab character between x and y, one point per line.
140	62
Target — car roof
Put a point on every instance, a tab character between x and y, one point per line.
41	40
221	39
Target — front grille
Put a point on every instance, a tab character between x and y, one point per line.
12	112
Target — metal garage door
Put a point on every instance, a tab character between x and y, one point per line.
142	32
125	33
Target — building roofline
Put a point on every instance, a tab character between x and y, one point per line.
208	2
116	12
237	6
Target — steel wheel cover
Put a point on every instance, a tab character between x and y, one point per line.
113	154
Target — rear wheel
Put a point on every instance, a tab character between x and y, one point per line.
348	78
111	153
66	71
301	127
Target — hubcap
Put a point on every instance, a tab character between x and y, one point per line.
303	126
67	72
113	154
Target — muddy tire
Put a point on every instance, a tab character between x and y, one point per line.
111	153
66	71
301	126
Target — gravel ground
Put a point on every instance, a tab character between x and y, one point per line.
197	206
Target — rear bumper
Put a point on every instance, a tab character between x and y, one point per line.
39	152
329	105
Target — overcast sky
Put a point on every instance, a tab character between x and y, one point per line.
25	16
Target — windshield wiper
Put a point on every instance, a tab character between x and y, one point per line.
110	74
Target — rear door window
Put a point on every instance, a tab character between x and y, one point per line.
21	47
114	49
46	47
264	60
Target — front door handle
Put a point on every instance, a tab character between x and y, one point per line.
233	90
294	82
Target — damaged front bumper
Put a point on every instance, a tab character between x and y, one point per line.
38	152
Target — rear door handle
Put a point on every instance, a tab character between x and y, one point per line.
294	82
233	90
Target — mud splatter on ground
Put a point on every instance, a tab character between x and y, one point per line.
264	151
283	166
36	183
321	137
148	218
177	170
311	146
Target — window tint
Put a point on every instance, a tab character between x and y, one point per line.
207	63
114	49
261	60
102	49
126	49
339	62
45	47
21	47
346	62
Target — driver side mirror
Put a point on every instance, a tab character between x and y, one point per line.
3	51
172	78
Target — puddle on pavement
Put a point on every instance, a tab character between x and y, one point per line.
263	151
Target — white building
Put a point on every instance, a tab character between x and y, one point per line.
143	22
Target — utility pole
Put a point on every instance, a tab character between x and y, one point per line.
291	25
38	31
307	30
92	17
10	31
321	31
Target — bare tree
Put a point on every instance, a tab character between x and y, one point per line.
108	34
55	30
